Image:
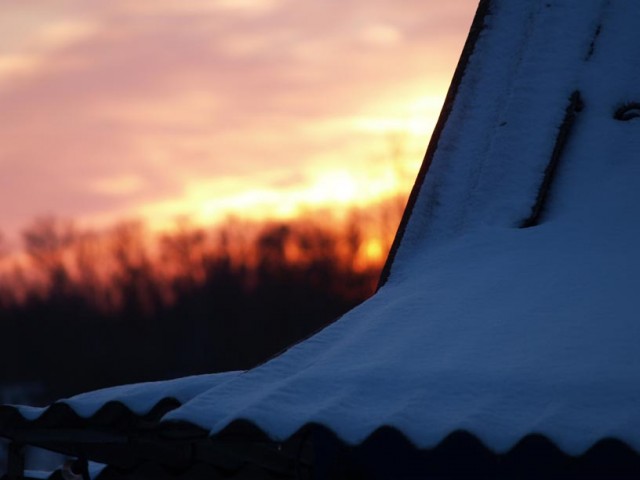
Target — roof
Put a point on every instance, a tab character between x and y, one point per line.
483	325
508	308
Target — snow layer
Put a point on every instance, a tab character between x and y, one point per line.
484	326
140	398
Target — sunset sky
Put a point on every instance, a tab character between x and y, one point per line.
157	108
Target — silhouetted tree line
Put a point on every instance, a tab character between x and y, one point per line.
88	310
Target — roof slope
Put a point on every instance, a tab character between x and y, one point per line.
485	326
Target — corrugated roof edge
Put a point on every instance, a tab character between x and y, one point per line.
244	429
532	454
112	413
477	26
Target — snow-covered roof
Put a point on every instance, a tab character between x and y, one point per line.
510	307
483	325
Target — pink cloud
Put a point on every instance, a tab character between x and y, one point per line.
171	91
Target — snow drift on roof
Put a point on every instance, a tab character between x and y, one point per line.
484	326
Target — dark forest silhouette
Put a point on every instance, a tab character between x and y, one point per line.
98	309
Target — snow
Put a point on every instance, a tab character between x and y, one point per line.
140	398
483	326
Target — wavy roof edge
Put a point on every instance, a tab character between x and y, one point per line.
143	401
532	453
249	429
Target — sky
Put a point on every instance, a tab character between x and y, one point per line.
153	109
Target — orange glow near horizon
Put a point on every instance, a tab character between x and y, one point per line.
259	109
